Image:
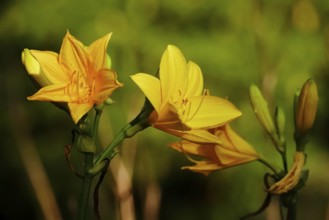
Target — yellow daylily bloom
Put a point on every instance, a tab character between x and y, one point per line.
180	106
291	179
79	75
232	150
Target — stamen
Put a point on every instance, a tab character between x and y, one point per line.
78	89
93	86
77	85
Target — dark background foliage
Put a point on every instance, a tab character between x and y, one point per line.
275	44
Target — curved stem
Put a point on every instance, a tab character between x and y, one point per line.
268	164
108	151
129	130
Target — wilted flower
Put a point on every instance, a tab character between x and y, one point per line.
291	179
232	150
79	76
180	107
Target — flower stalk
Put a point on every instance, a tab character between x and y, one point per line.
139	123
87	165
86	186
268	164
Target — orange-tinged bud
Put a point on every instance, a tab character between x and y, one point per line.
306	107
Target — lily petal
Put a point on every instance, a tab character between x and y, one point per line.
48	61
195	80
204	167
79	110
73	55
237	142
97	51
194	149
150	86
231	158
52	93
197	136
173	74
105	83
206	112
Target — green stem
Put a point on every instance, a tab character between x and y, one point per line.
94	129
292	212
108	151
268	164
281	212
87	165
284	161
290	203
86	185
132	128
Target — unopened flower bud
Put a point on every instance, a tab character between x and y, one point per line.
34	69
108	61
260	107
306	107
86	144
31	64
109	101
280	122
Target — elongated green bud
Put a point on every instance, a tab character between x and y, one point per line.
280	123
108	61
260	107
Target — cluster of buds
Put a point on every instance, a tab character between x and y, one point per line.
305	107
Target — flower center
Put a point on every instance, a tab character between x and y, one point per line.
185	108
79	89
182	105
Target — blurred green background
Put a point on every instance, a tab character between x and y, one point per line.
275	44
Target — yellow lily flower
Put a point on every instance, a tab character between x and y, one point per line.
79	75
180	106
232	150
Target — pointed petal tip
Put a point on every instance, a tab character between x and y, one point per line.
173	48
109	34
